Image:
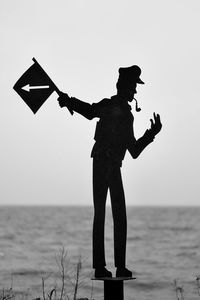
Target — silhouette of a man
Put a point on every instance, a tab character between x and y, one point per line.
114	135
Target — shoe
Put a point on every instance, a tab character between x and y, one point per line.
102	272
123	272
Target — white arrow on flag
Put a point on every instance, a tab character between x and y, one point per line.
28	87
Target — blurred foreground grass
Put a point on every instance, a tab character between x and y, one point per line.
68	288
71	281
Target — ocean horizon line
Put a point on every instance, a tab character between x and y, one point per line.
91	205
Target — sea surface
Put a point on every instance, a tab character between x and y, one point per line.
163	245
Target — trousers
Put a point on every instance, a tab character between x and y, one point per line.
107	176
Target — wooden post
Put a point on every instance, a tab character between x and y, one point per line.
114	287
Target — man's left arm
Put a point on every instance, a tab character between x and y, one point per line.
139	145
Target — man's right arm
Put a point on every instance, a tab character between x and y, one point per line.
74	104
85	109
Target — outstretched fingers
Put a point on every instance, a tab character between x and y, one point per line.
157	118
156	124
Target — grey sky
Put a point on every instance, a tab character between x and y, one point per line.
81	44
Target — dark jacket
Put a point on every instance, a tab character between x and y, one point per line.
114	131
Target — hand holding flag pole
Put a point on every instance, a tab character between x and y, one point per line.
35	86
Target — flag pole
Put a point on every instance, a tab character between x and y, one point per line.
55	87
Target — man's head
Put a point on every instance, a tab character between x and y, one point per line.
127	82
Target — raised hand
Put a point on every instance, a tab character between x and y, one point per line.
156	124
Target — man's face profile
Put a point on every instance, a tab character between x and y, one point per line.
128	91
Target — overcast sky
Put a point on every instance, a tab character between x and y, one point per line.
45	158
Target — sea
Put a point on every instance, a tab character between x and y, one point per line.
43	249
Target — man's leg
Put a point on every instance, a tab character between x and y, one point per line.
119	216
100	188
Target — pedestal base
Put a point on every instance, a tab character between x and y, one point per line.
114	287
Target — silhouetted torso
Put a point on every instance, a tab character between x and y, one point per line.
114	130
